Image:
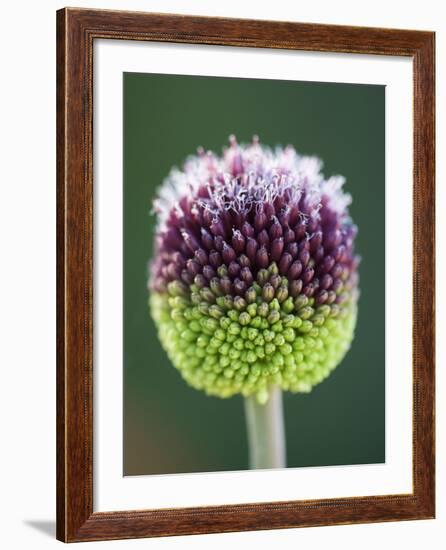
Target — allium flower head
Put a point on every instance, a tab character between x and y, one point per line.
254	277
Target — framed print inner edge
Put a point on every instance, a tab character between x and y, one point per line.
76	31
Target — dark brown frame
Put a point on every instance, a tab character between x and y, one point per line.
76	31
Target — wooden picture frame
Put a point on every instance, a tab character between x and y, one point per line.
77	29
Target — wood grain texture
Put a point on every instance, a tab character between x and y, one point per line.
76	31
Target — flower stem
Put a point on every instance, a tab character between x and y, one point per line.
266	433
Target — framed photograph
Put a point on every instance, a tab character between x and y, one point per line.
245	244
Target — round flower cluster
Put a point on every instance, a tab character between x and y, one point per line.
254	279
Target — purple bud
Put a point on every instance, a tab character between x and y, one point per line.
260	220
217	228
233	269
239	286
275	229
300	230
336	271
228	254
208	272
337	285
193	267
339	252
214	258
200	280
315	241
248	230
207	239
251	249
318	254
294	215
326	281
226	285
190	240
295	288
307	275
284	216
238	241
262	238
293	249
187	277
288	236
262	259
308	290
246	275
304	257
312	225
219	243
285	262
201	256
173	271
295	270
304	245
321	297
328	263
172	237
276	249
269	209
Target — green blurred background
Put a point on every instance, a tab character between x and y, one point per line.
169	427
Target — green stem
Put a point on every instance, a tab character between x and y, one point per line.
266	433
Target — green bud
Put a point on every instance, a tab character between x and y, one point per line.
273	269
207	294
306	312
252	333
256	322
203	308
268	292
216	312
306	326
270	348
282	294
252	309
324	310
239	344
233	315
239	303
220	334
279	340
216	287
177	288
273	317
262	276
210	324
177	314
288	305
301	301
244	318
251	295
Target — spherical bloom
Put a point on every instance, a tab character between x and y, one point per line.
254	278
